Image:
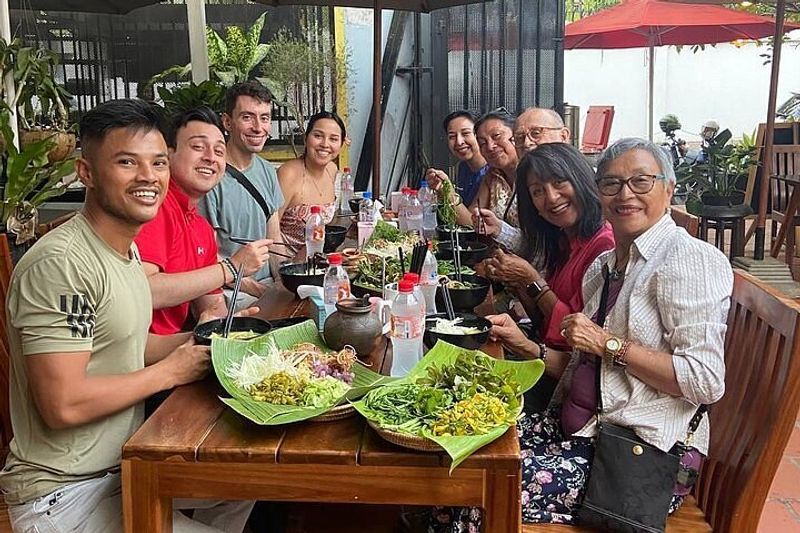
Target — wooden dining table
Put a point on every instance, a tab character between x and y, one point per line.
193	446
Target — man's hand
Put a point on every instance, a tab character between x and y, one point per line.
252	255
222	311
435	177
187	363
506	331
583	334
491	224
510	269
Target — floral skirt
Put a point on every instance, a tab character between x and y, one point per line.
554	475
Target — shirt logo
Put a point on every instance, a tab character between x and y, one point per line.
80	315
201	250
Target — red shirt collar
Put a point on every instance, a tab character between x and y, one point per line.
182	199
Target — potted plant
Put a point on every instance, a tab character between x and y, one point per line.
185	97
42	104
719	177
28	179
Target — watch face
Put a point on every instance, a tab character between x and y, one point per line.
613	344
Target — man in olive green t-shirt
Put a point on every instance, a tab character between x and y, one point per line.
82	362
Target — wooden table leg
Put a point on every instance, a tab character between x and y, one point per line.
737	238
143	508
503	506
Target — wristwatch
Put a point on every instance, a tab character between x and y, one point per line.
615	351
536	289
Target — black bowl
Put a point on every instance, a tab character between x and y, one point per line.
293	275
334	237
278	323
359	291
465	300
465	233
203	332
472	252
354	204
469	341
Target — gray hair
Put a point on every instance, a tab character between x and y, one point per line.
627	144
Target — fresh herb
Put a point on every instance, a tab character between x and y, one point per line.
448	200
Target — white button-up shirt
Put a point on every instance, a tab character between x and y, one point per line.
675	299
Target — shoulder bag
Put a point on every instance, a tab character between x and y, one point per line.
631	482
249	187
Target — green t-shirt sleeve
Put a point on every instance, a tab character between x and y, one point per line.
53	305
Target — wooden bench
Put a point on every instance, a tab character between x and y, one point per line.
752	423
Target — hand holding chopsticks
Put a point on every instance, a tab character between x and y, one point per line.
244	241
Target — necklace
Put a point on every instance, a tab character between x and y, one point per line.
307	177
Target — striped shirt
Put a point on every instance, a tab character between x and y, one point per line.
675	299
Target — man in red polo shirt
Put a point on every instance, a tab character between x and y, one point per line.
178	247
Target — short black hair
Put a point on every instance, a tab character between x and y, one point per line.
556	162
128	113
251	88
499	114
200	114
461	113
329	115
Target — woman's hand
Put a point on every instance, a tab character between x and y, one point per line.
511	269
435	177
583	334
506	331
491	224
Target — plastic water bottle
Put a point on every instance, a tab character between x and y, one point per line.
402	215
428	200
366	209
315	232
413	213
348	187
414	278
336	284
429	280
407	329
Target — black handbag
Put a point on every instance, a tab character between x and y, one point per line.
631	482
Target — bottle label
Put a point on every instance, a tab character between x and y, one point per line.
318	234
407	327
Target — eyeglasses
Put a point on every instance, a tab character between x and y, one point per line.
641	184
533	134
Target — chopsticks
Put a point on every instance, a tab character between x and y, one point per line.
418	254
232	305
456	254
402	258
448	302
240	240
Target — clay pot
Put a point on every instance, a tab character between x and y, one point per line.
65	142
353	323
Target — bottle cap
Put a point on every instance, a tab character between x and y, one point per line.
413	277
367	195
405	286
406	190
423	184
335	259
412	192
347	170
315	210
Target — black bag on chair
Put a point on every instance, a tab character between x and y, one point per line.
630	482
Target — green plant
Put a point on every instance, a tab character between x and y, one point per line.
186	97
232	59
39	99
28	178
722	171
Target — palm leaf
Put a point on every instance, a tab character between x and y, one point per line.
225	352
527	374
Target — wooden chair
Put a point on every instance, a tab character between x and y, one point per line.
784	176
752	423
687	221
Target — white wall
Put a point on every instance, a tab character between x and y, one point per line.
724	83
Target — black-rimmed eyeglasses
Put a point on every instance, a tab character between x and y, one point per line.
641	184
533	134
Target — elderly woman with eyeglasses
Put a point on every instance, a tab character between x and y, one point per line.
495	134
659	351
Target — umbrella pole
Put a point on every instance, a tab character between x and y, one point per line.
377	83
8	81
766	159
650	79
198	50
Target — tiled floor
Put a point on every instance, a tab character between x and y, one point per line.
782	511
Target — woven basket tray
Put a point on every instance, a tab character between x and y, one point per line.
337	413
406	441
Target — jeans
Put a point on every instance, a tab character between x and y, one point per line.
95	506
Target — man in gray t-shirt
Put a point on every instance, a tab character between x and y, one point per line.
229	207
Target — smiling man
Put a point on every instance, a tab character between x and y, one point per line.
178	247
244	203
82	361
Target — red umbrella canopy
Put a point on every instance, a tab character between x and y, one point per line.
644	23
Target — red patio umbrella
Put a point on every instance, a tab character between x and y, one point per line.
651	23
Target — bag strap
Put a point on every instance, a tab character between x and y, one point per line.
249	187
694	423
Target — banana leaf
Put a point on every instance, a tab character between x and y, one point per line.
459	448
225	352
